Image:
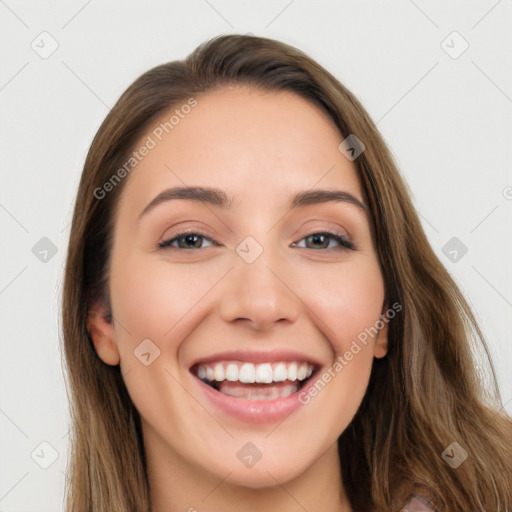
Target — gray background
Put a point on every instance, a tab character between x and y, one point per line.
446	114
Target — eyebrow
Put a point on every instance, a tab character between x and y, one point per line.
217	197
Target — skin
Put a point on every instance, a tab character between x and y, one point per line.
259	148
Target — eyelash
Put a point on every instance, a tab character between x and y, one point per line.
344	243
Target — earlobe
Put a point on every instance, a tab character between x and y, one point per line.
101	331
381	341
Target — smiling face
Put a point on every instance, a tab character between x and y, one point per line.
260	288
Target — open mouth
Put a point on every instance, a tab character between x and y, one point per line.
249	381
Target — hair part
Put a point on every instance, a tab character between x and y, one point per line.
423	395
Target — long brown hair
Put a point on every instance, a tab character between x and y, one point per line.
427	393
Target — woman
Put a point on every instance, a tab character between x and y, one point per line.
252	315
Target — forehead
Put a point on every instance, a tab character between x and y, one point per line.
247	142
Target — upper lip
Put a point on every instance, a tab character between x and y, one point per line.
252	356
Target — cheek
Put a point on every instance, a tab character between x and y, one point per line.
347	299
161	302
349	303
155	300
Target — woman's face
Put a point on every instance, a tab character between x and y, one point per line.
255	290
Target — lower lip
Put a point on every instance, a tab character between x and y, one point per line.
254	411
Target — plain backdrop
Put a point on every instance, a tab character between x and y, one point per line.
435	76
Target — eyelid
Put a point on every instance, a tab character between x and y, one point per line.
331	227
185	231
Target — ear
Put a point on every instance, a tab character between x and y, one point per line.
101	330
381	341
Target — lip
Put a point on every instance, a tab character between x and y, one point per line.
245	356
254	411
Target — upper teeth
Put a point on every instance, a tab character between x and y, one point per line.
249	373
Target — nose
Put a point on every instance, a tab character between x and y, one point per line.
260	294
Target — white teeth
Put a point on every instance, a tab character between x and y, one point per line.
264	373
218	372
302	371
292	371
257	393
249	373
280	373
231	372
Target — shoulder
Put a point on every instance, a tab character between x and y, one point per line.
418	503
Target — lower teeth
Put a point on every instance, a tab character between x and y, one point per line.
257	391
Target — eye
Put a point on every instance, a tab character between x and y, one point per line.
321	237
193	240
186	240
